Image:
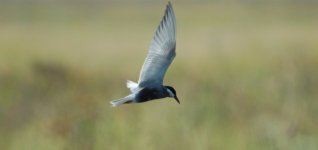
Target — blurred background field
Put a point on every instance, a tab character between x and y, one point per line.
246	73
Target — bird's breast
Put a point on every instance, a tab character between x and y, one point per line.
150	93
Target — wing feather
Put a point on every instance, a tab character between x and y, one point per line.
161	51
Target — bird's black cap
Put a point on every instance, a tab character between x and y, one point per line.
174	93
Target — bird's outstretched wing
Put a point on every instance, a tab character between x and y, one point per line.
161	52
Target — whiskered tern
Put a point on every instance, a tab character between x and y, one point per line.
160	55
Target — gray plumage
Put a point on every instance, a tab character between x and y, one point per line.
162	50
160	55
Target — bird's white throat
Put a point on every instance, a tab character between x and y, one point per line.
170	93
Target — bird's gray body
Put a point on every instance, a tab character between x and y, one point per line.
160	55
151	93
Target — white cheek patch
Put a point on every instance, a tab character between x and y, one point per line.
170	93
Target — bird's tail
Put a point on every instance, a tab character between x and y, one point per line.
125	100
133	86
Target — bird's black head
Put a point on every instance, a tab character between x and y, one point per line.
172	93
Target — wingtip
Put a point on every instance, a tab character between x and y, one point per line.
169	9
169	5
112	104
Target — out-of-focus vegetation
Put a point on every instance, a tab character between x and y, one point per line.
246	75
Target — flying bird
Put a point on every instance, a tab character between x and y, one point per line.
160	55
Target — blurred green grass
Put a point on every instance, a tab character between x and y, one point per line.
246	75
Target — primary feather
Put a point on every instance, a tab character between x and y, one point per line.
128	99
161	52
160	55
